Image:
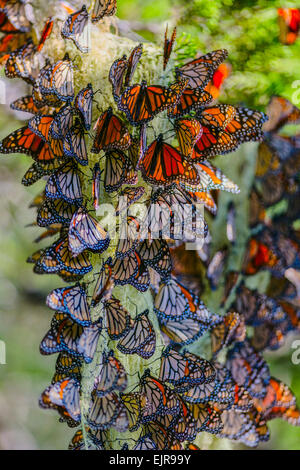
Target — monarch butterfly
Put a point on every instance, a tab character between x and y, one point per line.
124	269
27	105
103	8
225	332
183	331
156	253
118	320
132	63
118	171
33	174
183	371
289	24
162	164
42	127
185	427
49	127
141	102
67	364
200	71
21	63
141	339
65	184
280	111
59	257
257	212
65	394
173	300
141	281
55	211
210	178
269	336
83	104
177	425
249	369
213	141
168	46
74	144
85	232
67	335
72	301
96	185
43	83
46	32
160	400
19	13
279	402
216	267
23	140
88	340
106	412
229	394
76	28
246	125
58	80
129	196
158	434
112	375
104	283
133	403
62	122
206	418
110	133
237	426
188	131
212	391
174	367
190	99
116	75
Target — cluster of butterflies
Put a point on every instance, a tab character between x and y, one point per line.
191	394
274	245
289	24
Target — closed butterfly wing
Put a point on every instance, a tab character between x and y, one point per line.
132	63
200	71
103	8
118	320
76	28
141	339
84	103
85	232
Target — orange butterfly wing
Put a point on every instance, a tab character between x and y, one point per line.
163	164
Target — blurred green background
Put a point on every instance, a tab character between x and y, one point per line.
261	67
